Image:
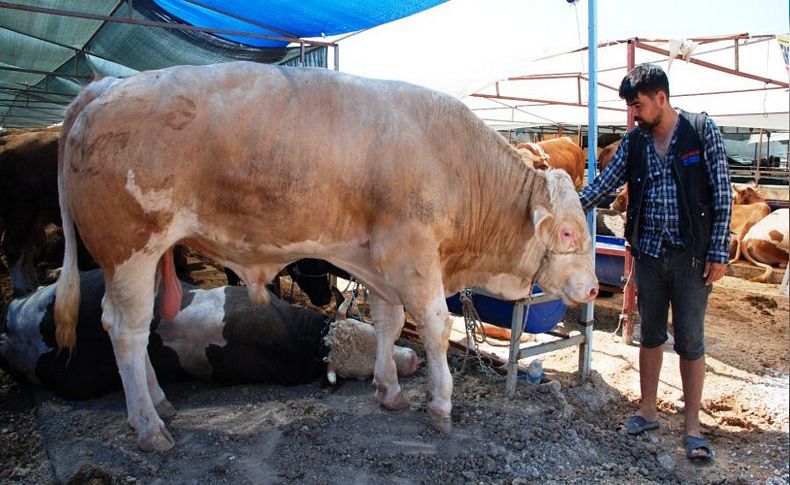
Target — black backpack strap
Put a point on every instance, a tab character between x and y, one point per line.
698	120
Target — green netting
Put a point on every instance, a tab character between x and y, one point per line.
28	52
62	30
46	58
12	78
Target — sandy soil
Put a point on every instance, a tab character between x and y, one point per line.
557	433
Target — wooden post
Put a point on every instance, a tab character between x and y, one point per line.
629	291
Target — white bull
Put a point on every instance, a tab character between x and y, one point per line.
257	166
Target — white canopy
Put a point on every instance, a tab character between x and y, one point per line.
738	80
476	46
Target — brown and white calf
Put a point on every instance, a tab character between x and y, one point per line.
767	243
250	165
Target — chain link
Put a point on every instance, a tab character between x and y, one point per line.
473	322
354	295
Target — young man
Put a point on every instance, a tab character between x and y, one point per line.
677	224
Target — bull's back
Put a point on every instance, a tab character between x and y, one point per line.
255	146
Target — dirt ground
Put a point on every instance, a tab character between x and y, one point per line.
561	432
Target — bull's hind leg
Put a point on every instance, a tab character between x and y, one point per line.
161	404
127	312
388	321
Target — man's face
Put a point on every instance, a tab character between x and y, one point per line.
648	111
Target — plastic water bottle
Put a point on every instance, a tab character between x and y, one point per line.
535	372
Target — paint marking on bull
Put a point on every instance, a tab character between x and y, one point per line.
151	201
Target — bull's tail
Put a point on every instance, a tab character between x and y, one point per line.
67	293
768	268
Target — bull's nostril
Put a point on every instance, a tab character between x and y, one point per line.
594	292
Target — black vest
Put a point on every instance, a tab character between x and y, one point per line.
695	195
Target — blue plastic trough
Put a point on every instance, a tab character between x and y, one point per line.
542	316
609	260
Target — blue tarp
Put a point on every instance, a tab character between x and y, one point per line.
286	18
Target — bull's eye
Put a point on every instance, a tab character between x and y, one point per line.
567	237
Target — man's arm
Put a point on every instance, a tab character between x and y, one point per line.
612	177
719	180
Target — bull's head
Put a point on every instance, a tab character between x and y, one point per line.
566	268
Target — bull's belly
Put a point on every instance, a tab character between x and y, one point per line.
259	262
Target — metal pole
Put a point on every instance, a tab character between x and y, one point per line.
588	309
759	157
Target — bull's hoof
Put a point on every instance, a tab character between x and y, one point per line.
440	421
396	403
165	409
158	440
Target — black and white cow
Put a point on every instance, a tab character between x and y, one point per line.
218	335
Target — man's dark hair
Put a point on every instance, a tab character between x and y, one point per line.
647	79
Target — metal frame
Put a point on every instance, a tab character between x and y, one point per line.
644	44
582	340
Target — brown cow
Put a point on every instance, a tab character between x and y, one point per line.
560	153
746	195
248	164
606	155
28	199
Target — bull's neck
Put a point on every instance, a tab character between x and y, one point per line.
499	226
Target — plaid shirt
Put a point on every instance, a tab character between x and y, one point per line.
661	223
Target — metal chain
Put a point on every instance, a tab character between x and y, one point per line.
472	322
354	294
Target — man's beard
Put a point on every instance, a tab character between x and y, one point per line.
648	126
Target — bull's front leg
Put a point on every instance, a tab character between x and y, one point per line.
435	326
388	321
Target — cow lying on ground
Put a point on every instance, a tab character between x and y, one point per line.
743	218
560	153
767	243
252	169
218	336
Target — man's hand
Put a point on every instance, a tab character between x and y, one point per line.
713	272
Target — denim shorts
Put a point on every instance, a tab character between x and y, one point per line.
673	280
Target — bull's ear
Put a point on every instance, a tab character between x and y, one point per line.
540	215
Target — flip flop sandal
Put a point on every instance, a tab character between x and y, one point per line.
637	424
694	443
